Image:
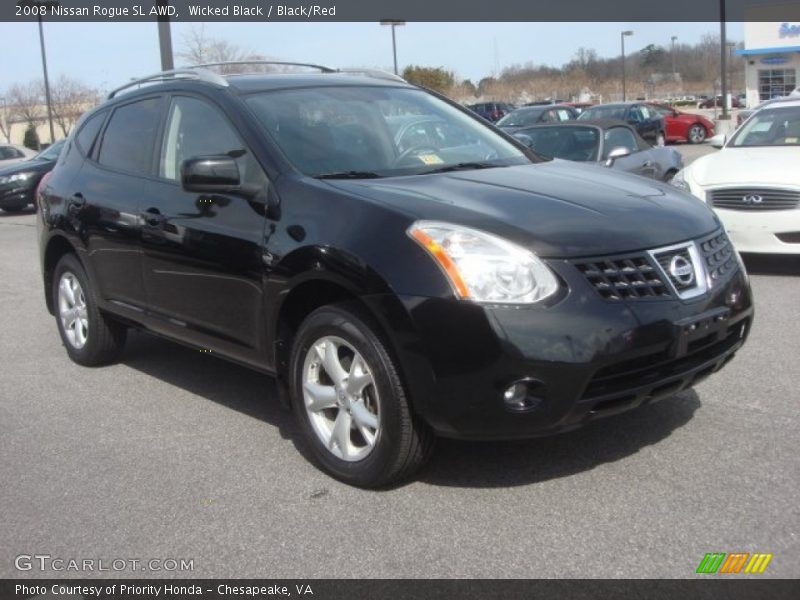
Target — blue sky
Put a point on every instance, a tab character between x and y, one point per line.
107	54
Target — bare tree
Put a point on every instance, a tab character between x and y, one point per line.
70	98
198	48
26	102
5	120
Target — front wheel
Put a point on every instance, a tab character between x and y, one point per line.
91	338
350	402
697	134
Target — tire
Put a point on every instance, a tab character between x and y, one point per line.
669	175
661	139
362	430
696	134
16	208
91	338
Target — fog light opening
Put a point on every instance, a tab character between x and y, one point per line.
518	397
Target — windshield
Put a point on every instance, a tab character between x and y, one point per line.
377	132
568	142
51	152
770	127
521	117
603	112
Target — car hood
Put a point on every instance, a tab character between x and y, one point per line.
747	166
26	165
556	208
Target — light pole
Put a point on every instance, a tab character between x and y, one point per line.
731	46
674	39
44	69
622	37
165	39
394	23
723	60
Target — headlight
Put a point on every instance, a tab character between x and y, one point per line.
679	181
485	268
16	177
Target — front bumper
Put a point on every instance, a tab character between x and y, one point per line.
763	232
16	194
592	357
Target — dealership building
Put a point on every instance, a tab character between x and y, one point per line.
772	59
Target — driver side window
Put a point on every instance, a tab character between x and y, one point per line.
195	128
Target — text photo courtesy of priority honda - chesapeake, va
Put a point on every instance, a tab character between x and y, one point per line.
470	301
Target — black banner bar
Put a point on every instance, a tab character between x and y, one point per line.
711	588
408	10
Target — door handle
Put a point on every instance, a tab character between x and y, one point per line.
153	217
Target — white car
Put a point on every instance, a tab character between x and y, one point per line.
11	154
753	183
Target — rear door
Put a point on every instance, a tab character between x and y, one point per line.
105	197
203	252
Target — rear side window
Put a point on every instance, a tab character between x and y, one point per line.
128	140
88	132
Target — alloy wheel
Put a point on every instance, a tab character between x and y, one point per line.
72	310
341	398
697	133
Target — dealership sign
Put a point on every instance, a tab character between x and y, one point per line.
788	30
774	60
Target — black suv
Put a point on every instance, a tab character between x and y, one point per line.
648	123
449	283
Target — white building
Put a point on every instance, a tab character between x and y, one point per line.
772	54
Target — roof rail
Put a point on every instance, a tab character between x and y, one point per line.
321	68
191	73
377	73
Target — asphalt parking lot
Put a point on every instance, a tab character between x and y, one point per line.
172	454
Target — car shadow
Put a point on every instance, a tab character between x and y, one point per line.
772	264
454	463
515	463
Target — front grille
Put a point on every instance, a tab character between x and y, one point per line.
719	255
631	277
754	199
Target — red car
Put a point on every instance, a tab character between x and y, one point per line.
684	127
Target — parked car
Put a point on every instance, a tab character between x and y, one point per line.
680	126
608	143
12	153
530	115
745	113
717	101
479	292
580	106
647	122
753	183
492	111
18	182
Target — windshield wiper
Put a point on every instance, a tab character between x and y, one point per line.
462	166
348	175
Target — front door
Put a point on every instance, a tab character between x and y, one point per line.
202	260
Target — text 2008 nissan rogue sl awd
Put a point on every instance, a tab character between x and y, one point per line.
403	268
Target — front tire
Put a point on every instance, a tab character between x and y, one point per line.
350	403
696	134
91	338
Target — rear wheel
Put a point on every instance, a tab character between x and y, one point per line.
350	402
697	134
91	338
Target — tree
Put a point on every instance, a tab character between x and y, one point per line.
31	139
434	78
200	49
26	101
70	98
5	122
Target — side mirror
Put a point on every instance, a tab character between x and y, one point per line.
618	152
210	174
526	140
718	141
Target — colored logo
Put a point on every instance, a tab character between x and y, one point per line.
733	563
787	30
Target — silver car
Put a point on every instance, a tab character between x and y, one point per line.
611	143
